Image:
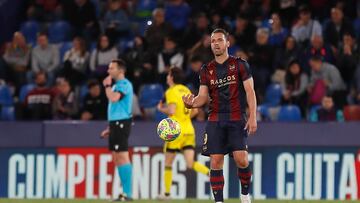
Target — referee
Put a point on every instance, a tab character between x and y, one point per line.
120	95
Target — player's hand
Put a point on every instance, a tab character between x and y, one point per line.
107	80
251	126
188	100
105	133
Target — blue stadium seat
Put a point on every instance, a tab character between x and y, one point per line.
289	113
24	90
64	48
7	113
264	112
5	96
30	29
273	95
150	95
59	31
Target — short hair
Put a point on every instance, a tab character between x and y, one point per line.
93	82
304	9
220	30
177	74
120	63
317	57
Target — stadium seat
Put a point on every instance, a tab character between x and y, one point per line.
150	95
273	95
64	48
7	113
289	113
312	112
24	90
352	113
30	29
5	96
264	112
59	31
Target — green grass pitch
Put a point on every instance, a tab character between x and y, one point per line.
173	201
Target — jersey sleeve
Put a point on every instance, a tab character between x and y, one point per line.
202	75
245	72
170	97
122	88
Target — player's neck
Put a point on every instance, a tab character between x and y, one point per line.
120	77
222	58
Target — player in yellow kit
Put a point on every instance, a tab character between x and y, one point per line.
176	110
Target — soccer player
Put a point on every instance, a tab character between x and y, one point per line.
120	95
176	110
228	82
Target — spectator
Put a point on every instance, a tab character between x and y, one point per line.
233	46
170	56
305	28
177	13
17	57
327	111
335	29
277	32
325	77
116	21
244	32
196	31
157	31
102	56
45	57
294	86
95	103
192	76
289	51
347	58
216	21
65	104
317	48
261	59
43	10
354	95
76	61
202	49
38	101
82	16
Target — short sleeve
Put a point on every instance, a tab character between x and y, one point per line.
245	72
170	97
122	88
202	75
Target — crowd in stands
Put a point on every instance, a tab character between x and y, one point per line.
304	55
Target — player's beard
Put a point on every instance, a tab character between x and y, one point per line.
218	52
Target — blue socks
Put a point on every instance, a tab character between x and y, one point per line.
125	174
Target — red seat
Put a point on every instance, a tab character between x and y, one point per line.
352	113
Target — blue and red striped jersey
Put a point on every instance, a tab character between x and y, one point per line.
226	89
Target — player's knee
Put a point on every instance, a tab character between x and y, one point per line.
217	163
242	163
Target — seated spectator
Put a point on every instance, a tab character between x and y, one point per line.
202	49
102	56
348	56
327	111
317	48
43	10
294	86
244	32
116	21
17	57
354	95
325	77
288	52
65	105
335	29
38	101
192	76
45	57
277	32
306	27
76	61
177	13
157	31
196	31
170	56
95	103
81	15
217	21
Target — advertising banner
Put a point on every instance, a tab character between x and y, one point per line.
308	173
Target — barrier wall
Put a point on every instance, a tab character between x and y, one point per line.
68	160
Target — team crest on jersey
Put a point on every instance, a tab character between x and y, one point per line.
210	71
232	67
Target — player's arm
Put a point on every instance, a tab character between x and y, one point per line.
251	124
168	109
191	101
111	95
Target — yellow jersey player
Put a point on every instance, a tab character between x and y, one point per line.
185	143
